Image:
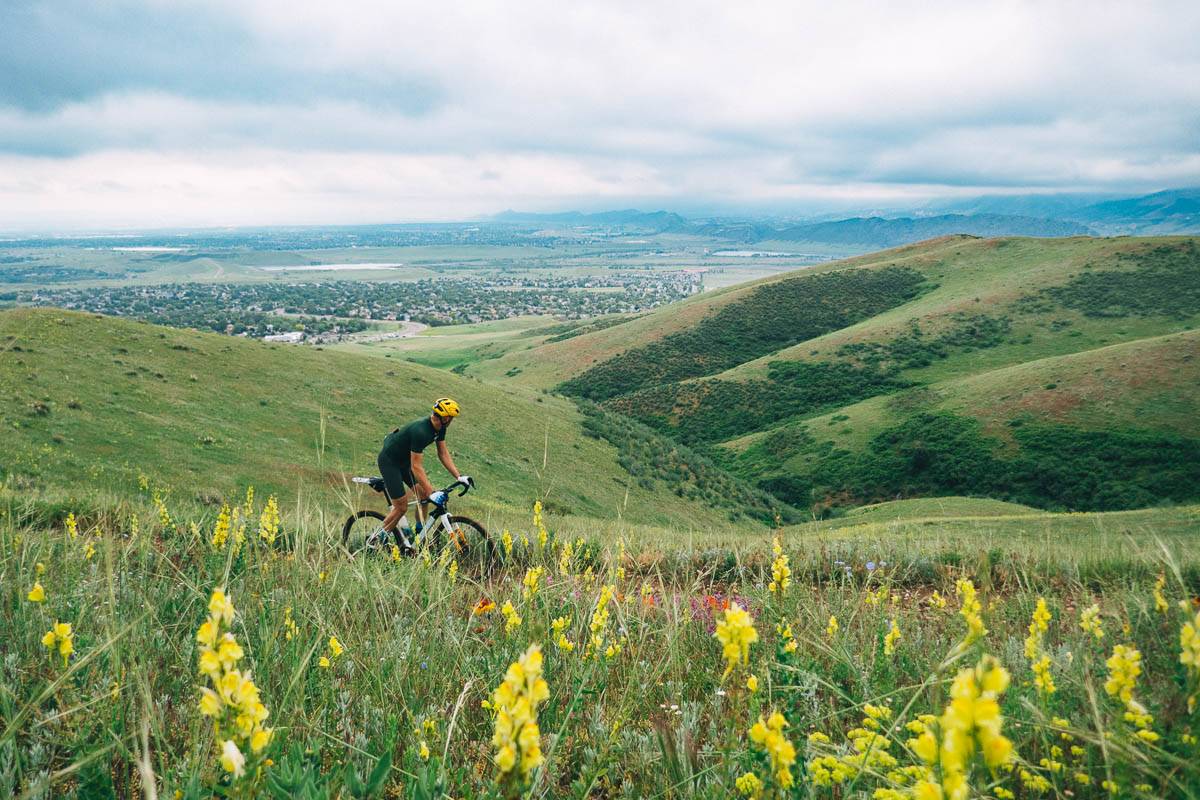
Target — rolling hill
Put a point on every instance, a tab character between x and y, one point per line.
942	335
89	403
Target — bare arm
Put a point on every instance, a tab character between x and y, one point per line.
447	461
424	487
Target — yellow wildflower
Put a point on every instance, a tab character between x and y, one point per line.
1160	602
232	760
507	540
37	594
832	628
781	573
749	785
1090	622
221	531
335	647
72	526
784	630
752	683
736	633
768	735
62	636
599	622
512	620
268	521
1124	667
1189	656
515	701
889	641
970	608
529	584
232	698
423	751
936	600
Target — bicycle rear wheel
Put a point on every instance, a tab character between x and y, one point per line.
358	527
468	542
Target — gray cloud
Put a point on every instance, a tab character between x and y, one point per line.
477	106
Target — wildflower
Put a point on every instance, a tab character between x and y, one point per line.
1039	661
542	535
1124	666
749	785
512	620
507	540
515	701
221	530
736	633
785	634
289	625
335	647
37	594
970	608
936	600
232	760
599	620
232	698
832	628
752	683
324	663
164	518
72	526
484	606
559	625
268	521
564	559
395	554
423	751
781	573
889	641
970	723
452	570
1189	656
647	594
62	636
768	734
1089	621
529	584
88	551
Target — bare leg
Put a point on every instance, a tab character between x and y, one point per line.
399	506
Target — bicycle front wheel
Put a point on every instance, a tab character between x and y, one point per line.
467	541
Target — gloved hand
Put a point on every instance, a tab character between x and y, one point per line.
466	481
438	498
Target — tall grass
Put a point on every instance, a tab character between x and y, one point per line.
644	713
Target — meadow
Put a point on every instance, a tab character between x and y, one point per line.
151	653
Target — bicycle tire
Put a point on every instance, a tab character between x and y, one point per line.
476	549
348	527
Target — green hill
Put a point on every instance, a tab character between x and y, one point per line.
895	329
90	403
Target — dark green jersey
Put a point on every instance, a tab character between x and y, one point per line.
412	438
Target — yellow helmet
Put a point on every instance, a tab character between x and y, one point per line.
445	407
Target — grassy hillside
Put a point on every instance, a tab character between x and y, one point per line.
91	403
959	326
1115	427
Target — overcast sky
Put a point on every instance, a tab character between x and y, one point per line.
141	113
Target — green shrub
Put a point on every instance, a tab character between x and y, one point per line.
769	318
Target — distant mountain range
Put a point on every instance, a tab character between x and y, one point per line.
651	220
1167	212
879	232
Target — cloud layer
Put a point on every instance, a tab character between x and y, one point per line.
261	111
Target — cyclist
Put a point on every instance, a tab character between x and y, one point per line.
401	463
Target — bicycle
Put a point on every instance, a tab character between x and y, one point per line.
472	545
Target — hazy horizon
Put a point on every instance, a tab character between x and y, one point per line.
139	115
